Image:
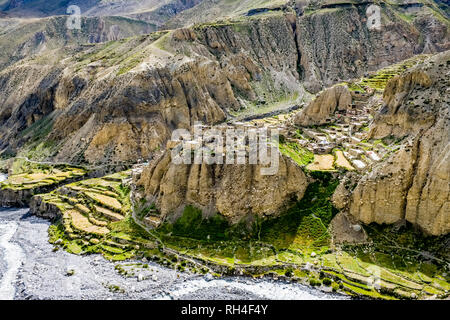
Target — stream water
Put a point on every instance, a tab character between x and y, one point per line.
29	269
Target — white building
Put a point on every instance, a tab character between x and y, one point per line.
359	164
372	155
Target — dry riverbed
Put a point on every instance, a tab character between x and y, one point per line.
29	269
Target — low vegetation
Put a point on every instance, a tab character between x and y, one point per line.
28	175
297	245
300	155
378	80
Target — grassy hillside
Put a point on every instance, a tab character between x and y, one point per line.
210	10
20	38
153	11
42	8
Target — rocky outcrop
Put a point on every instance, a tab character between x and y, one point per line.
335	42
381	195
15	198
427	203
344	229
410	104
99	111
44	209
413	184
120	101
234	191
324	105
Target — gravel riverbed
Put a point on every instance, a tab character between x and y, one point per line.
29	269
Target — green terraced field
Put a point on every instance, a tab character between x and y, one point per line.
297	245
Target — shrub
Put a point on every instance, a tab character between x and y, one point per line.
289	272
314	282
335	286
327	282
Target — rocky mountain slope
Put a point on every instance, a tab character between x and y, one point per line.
32	27
215	10
413	184
150	90
361	192
155	12
75	104
233	191
25	38
324	106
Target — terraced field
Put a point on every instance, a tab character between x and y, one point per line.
35	178
92	214
29	178
378	80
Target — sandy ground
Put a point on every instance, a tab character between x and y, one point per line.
322	162
29	269
341	161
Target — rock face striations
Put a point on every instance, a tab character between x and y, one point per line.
234	191
120	101
335	41
413	184
123	104
320	109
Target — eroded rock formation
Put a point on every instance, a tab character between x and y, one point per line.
413	184
84	105
120	101
234	191
323	107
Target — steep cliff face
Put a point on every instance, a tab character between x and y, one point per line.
234	191
413	184
335	41
333	37
411	103
167	81
120	101
324	105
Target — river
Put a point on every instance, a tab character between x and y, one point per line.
29	269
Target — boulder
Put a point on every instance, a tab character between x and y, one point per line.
319	110
234	191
